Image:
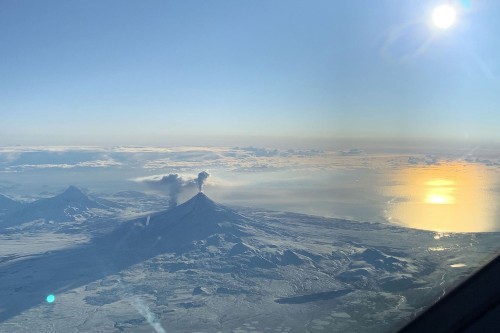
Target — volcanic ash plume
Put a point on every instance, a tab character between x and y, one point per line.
174	184
202	176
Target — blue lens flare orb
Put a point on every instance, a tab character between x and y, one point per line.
466	3
50	298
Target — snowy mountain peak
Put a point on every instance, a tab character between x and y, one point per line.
71	205
201	196
200	201
199	218
198	208
73	197
73	193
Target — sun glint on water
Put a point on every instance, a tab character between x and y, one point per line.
451	197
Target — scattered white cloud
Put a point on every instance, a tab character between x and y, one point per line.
233	159
99	164
424	160
352	152
88	164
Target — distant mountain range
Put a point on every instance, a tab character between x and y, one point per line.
71	205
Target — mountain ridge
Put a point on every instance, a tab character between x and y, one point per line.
70	205
7	205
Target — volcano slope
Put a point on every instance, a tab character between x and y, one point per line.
202	267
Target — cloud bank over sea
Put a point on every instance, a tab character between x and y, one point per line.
319	182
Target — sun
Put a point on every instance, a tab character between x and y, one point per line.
444	16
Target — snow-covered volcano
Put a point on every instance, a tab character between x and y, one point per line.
197	217
176	229
71	205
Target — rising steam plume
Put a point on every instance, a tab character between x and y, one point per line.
202	177
174	184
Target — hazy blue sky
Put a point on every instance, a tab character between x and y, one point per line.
174	72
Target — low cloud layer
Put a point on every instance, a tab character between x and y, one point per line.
230	159
323	182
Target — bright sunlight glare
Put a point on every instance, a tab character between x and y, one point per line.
444	16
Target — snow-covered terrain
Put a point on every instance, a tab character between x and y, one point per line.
8	205
66	211
203	267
